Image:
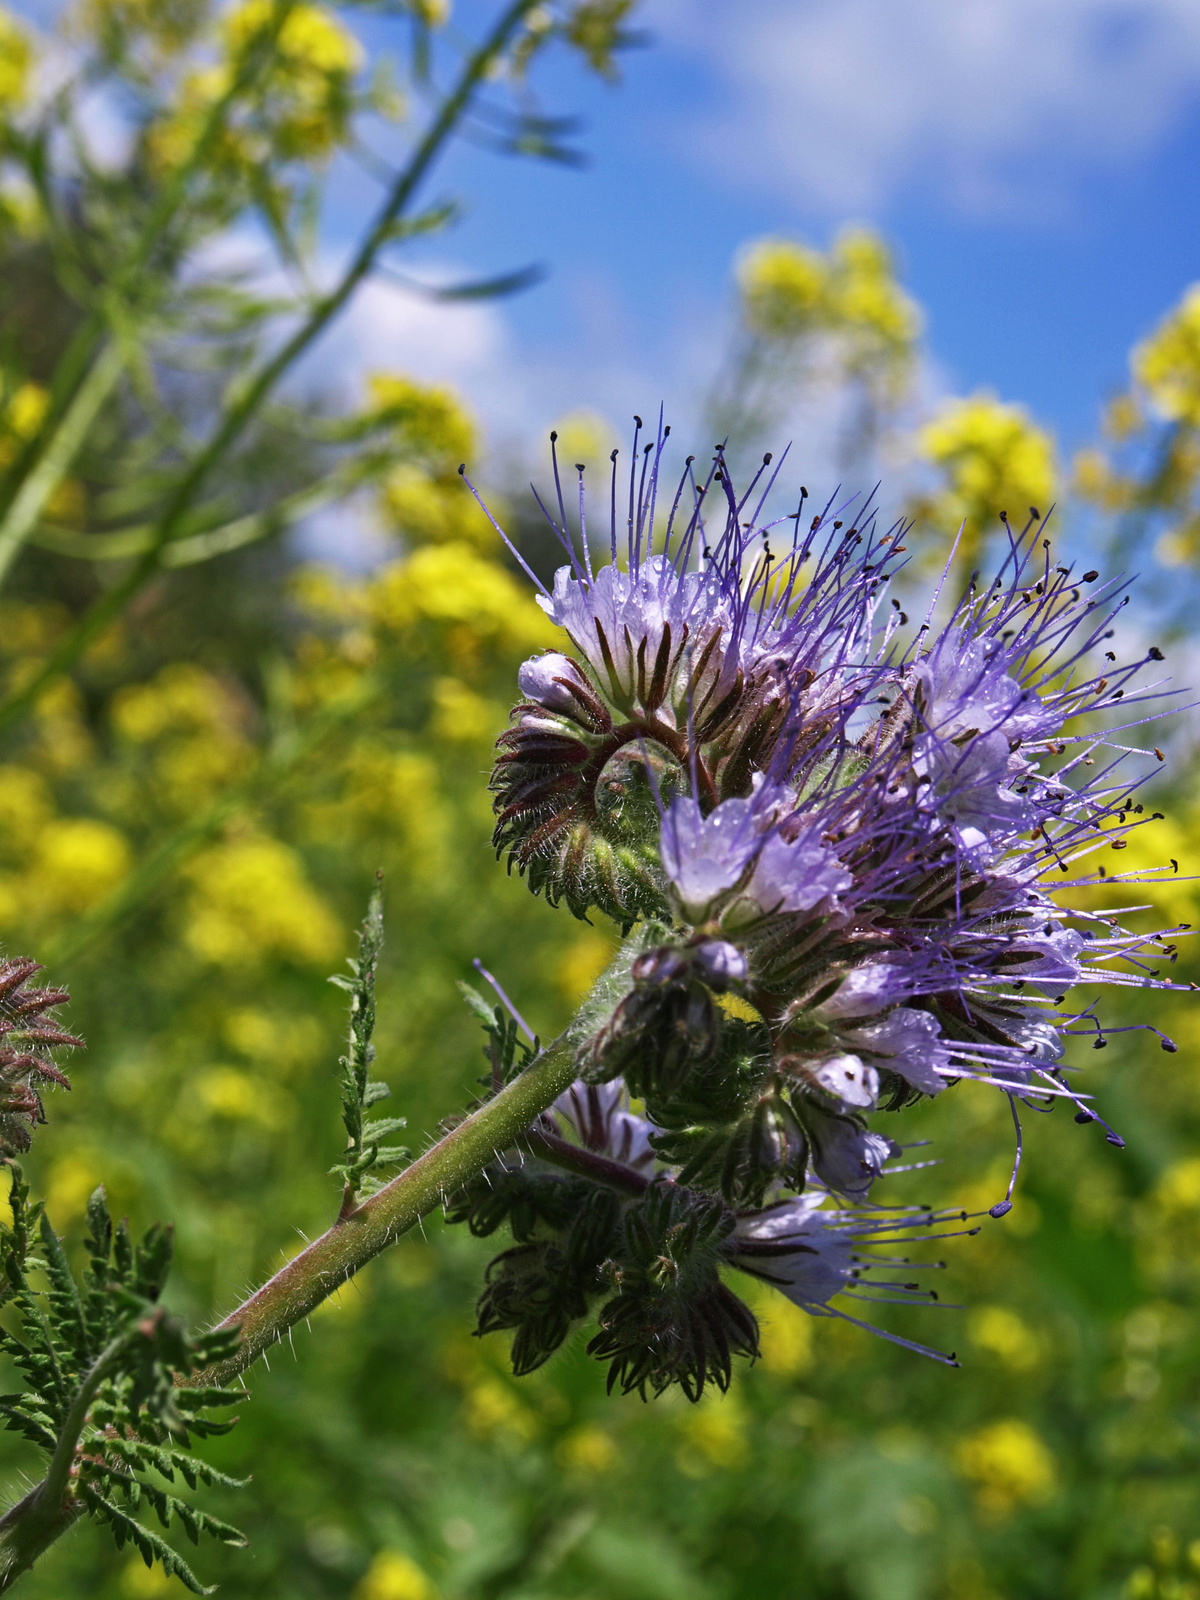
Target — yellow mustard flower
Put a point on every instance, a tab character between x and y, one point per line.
993	458
395	1576
782	286
1009	1466
250	901
16	57
1167	364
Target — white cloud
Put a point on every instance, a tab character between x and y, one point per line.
995	103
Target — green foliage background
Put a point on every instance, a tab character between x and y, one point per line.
288	733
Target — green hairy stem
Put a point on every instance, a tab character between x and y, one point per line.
31	1526
354	1239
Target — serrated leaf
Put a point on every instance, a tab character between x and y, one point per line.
374	1131
148	1543
476	1003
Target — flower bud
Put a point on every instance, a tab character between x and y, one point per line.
541	679
720	964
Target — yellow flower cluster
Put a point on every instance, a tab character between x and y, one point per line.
16	57
1009	1466
422	498
993	457
1167	364
790	292
23	406
1173	1572
251	901
302	101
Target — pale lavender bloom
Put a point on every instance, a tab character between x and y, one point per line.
738	848
966	688
868	989
971	788
909	1043
823	1261
847	1078
812	1255
846	1157
600	1116
615	615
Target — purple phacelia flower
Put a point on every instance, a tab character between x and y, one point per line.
861	839
736	863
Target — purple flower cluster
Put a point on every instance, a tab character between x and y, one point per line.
747	755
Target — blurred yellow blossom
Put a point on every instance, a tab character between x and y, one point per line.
422	508
250	900
785	1335
581	963
452	583
782	285
1096	480
78	861
72	1179
15	60
789	291
394	1576
1167	364
243	1097
25	805
462	716
140	1582
181	698
1009	1466
993	457
493	1408
587	1449
302	101
864	296
1002	1333
586	438
712	1436
428	421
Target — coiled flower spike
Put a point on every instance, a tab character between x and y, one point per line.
856	833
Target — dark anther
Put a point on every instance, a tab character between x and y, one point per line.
614	455
553	435
462	467
579	466
767	459
1159	754
1085	1116
689	461
637	419
1099	1043
1037	517
1169	1046
1090	577
1004	516
1156	654
1001	1208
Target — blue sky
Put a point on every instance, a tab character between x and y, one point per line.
1035	164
